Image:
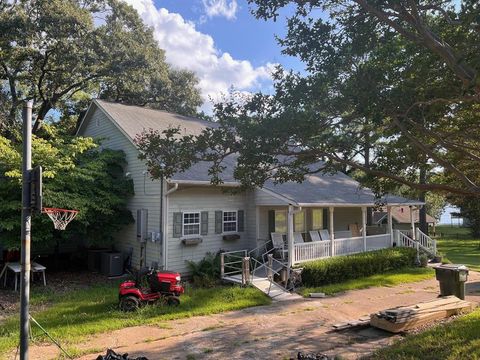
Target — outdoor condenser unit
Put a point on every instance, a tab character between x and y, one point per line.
142	225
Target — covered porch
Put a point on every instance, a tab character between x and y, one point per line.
310	232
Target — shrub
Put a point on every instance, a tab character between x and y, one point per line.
423	260
206	272
341	268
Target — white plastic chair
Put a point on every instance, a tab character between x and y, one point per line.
314	235
324	234
298	238
278	244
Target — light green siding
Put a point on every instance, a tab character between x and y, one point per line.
147	192
209	199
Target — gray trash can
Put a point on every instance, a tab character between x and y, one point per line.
452	278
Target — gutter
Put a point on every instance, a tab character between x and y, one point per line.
165	225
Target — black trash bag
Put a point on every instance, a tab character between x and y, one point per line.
311	356
112	355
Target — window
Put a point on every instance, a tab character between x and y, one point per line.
229	221
317	219
191	223
281	221
299	222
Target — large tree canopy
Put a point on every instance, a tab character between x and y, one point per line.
390	89
76	176
60	53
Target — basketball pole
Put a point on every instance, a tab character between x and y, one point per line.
26	229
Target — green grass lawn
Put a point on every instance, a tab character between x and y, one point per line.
391	278
459	339
72	316
459	247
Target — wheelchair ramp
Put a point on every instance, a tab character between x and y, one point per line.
273	290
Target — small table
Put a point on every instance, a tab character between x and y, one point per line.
17	268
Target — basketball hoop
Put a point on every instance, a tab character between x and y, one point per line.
60	217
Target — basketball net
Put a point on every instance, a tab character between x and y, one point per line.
60	217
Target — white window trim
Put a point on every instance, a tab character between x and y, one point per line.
236	222
199	224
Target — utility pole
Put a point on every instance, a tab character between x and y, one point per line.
26	228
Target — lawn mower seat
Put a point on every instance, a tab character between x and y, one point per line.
158	286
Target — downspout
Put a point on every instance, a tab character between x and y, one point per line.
164	218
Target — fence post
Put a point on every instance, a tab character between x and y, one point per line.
245	270
222	265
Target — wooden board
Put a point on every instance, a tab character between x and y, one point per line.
409	317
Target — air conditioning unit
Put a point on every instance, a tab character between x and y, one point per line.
112	263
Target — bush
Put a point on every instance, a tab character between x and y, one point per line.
341	268
423	260
206	272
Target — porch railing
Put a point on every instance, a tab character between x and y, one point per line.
377	242
311	251
322	249
232	263
347	246
426	242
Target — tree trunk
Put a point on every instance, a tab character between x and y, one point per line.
423	210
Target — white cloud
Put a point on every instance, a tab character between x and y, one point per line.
224	8
188	48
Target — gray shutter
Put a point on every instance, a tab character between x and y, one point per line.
271	222
177	224
241	221
218	222
325	218
204	223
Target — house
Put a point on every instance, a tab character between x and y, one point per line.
403	217
189	217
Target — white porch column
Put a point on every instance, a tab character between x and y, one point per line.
290	235
332	231
390	224
364	227
412	223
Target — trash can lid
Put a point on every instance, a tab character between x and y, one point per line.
452	267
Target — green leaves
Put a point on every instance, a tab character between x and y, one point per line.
52	51
76	176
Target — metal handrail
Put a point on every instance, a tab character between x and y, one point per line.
255	250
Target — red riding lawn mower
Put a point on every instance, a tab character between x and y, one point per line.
150	286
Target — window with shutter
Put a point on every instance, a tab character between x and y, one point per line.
191	223
229	221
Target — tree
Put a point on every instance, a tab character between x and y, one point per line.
56	51
393	80
76	176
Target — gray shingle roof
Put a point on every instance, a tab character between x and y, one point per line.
135	119
336	189
320	189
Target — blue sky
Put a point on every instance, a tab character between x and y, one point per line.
220	41
244	37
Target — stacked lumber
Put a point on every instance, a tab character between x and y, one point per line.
409	317
363	321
